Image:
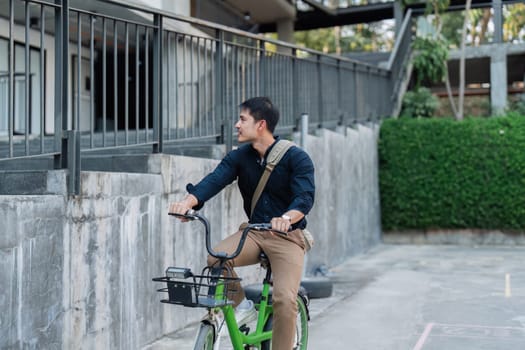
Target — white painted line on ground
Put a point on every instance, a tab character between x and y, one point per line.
424	336
508	292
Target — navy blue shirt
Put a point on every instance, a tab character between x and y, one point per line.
290	185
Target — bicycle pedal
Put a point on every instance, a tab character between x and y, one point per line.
244	329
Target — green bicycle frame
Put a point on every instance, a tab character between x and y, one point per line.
239	339
215	281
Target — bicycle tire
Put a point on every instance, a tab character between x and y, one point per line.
205	337
301	328
317	287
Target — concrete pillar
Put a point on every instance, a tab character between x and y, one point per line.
398	16
498	21
498	80
181	7
285	29
178	7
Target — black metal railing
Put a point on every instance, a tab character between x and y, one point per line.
132	76
399	61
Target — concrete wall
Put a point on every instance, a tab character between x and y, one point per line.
31	265
346	216
76	272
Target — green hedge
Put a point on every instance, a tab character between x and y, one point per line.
441	173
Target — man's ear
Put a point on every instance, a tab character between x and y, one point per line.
262	125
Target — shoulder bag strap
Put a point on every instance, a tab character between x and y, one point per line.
272	160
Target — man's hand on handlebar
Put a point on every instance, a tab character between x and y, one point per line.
281	224
183	207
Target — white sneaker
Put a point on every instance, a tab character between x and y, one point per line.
245	312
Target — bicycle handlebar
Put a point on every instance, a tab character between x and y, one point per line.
194	215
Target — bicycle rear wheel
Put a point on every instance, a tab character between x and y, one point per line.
301	328
205	337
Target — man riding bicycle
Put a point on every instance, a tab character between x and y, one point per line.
287	197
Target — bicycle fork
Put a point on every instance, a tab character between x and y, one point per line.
214	319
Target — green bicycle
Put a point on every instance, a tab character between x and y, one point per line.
210	290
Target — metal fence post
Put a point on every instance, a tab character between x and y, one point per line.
295	85
68	140
320	92
158	132
220	91
304	129
355	95
11	88
27	90
370	92
72	140
339	95
263	69
61	81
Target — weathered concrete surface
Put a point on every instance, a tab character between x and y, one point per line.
456	237
113	246
425	298
31	265
32	182
76	271
345	219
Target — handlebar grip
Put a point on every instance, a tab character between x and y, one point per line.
190	215
267	227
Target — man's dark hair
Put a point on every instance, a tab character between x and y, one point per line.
262	108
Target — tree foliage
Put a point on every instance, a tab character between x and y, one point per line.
451	30
514	26
320	39
359	37
431	54
419	103
479	30
377	36
430	61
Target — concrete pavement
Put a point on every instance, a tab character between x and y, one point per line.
426	298
410	297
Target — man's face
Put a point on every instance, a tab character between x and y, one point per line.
247	127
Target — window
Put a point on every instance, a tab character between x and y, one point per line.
35	95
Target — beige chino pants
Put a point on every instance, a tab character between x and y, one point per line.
286	254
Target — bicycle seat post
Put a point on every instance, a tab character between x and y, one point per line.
265	263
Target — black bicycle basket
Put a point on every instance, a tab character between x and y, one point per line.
192	290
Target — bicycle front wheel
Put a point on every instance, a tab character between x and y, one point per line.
301	328
205	337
